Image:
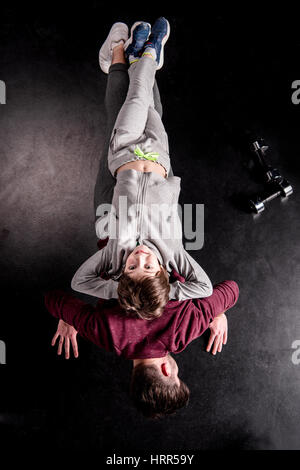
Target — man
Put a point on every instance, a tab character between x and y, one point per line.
156	389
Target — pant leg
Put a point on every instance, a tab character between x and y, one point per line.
157	100
158	107
132	118
130	126
155	129
115	95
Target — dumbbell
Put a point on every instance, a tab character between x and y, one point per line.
276	185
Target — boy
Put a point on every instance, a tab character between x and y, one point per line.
137	257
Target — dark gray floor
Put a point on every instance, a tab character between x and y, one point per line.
225	79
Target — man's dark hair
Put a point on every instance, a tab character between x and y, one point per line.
156	396
146	297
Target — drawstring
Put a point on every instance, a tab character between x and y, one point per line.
149	156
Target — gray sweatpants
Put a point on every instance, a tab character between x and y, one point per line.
139	125
115	95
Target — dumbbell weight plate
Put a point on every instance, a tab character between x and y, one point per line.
288	190
256	206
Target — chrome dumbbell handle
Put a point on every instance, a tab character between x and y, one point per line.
258	205
260	151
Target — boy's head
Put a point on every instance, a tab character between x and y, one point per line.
142	262
156	389
143	288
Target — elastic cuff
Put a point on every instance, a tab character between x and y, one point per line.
148	53
118	67
133	61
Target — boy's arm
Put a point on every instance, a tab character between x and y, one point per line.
85	318
87	277
197	284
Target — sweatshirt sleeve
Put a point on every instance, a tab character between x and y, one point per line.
87	277
202	312
85	318
197	284
225	295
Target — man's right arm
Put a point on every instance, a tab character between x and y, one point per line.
218	333
201	312
225	295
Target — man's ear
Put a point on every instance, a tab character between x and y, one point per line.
166	369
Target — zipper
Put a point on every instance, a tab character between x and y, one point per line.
137	201
142	191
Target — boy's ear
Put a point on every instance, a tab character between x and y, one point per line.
164	269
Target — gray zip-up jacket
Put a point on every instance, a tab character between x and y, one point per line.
144	211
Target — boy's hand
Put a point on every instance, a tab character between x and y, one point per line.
66	333
218	333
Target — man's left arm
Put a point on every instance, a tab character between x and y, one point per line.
88	321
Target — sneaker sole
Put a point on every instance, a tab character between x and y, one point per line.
163	42
130	39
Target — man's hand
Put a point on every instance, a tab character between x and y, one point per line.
66	333
218	333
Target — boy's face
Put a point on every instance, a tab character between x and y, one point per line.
141	262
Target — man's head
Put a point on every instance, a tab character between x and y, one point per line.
156	389
143	288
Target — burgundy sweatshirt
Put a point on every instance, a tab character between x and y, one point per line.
107	326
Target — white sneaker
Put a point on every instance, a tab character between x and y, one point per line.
117	33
